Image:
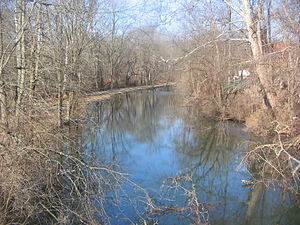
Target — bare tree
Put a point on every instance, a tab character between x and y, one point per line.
253	24
21	24
36	50
3	98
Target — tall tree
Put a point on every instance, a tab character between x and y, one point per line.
36	50
20	24
3	99
252	17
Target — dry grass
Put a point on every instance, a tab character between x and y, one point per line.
260	122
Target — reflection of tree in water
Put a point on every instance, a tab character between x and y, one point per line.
143	113
115	125
135	115
206	149
208	158
206	145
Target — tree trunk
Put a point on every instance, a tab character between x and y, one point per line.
66	68
127	77
20	51
99	76
258	25
269	29
60	99
261	69
70	106
3	99
34	74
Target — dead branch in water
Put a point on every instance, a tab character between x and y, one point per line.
277	162
197	211
172	209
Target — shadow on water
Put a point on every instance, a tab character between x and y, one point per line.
176	163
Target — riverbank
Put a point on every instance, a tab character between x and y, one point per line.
102	95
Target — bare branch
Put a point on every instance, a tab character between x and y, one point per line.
193	51
235	8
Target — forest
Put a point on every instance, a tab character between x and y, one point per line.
233	60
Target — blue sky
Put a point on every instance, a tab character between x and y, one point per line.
162	14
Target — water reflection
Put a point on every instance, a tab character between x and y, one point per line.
150	136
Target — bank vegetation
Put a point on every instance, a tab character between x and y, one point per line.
241	63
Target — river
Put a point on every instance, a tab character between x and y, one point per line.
181	169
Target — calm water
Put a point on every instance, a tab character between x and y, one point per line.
175	162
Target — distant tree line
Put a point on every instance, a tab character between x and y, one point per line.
62	49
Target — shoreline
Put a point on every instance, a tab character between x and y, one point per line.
103	95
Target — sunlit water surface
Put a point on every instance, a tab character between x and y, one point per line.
176	162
